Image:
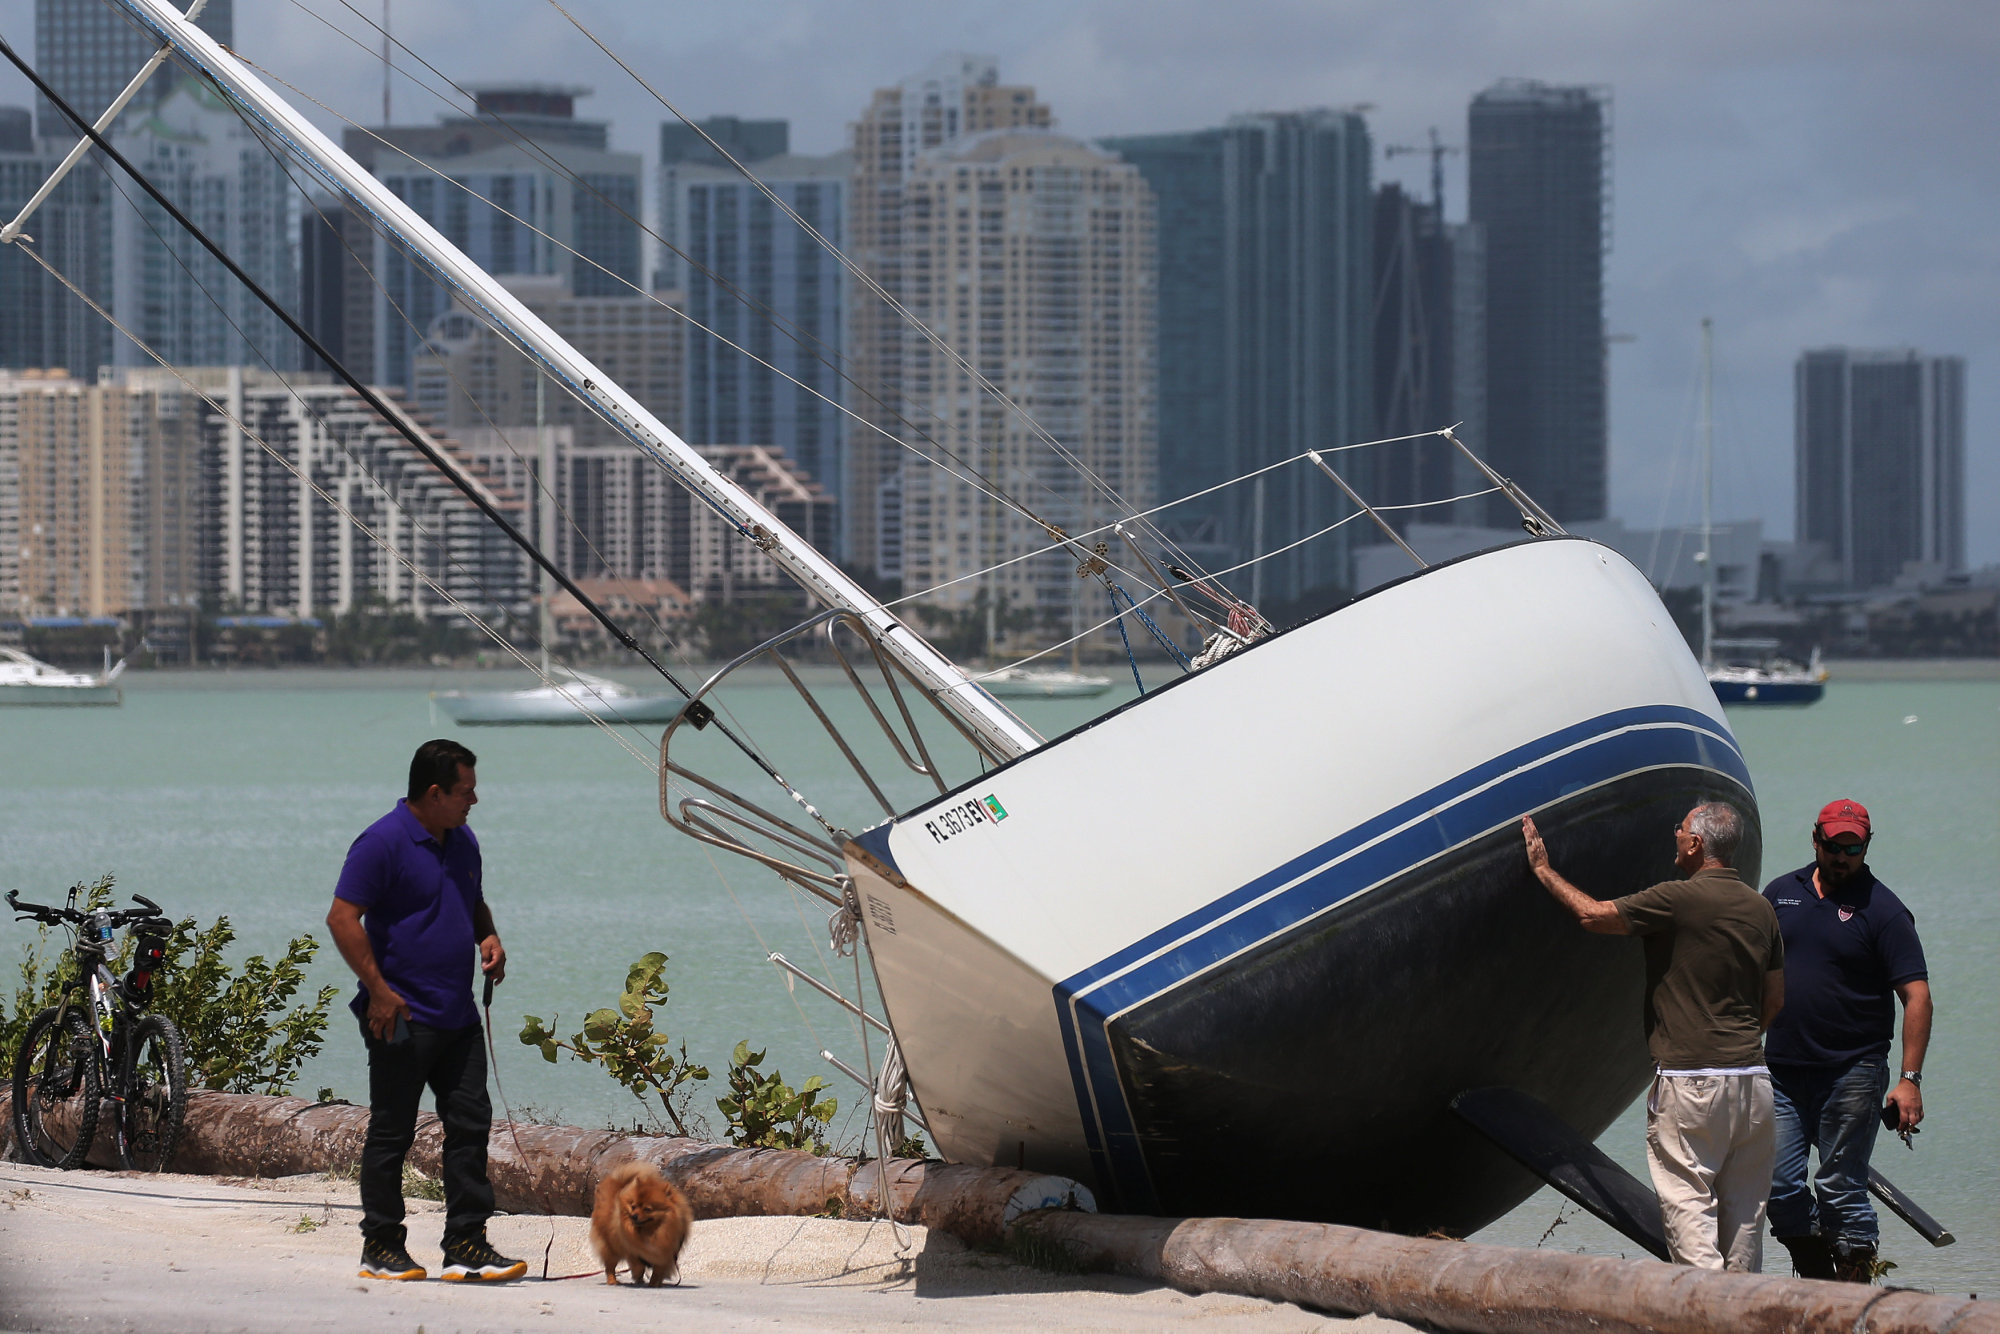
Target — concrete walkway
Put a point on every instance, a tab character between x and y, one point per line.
115	1251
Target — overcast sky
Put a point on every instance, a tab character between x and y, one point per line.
1808	172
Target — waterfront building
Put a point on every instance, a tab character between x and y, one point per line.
89	51
1031	254
683	145
1266	280
1879	440
619	517
956	94
518	186
1539	160
101	497
165	287
280	543
765	304
466	375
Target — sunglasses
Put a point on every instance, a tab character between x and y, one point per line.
1844	849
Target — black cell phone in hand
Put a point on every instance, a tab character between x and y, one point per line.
401	1033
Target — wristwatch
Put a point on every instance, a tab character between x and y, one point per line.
1915	1077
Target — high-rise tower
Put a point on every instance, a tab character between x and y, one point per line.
89	51
1880	449
1539	158
957	94
1266	347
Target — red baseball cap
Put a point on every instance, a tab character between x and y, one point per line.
1843	817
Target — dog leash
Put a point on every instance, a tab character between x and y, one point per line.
493	1061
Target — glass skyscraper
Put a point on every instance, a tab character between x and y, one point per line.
1880	449
1538	159
89	51
1266	341
765	304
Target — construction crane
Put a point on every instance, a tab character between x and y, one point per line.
1437	149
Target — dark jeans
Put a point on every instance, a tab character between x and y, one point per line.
1836	1111
453	1063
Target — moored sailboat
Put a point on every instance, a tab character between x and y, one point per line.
26	680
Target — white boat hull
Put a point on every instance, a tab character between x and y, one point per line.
551	708
54	696
1283	901
1016	683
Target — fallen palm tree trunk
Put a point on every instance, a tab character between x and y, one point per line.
1446	1285
1457	1285
555	1169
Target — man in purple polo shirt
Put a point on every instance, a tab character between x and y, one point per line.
409	916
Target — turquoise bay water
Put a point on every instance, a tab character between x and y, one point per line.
239	793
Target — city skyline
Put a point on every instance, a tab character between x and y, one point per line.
1750	182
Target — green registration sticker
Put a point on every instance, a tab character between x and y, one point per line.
994	807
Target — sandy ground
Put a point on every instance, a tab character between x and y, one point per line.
115	1251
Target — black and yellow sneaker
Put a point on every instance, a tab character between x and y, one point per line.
381	1259
469	1259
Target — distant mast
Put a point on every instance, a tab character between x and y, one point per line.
1707	494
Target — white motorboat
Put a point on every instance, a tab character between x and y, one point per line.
567	697
1028	683
28	680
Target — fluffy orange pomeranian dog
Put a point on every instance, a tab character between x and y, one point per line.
640	1220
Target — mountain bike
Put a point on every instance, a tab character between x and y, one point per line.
98	1046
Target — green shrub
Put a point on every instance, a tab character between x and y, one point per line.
766	1113
625	1042
243	1033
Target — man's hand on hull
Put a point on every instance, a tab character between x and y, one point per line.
1538	852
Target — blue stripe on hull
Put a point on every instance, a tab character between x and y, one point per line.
1205	948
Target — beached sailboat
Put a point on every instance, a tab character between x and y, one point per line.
1280	900
26	680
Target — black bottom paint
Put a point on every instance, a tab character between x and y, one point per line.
1312	1078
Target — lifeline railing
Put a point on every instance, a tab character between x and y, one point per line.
811	858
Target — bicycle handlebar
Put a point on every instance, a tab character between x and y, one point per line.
39	912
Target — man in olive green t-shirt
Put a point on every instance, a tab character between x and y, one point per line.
1714	981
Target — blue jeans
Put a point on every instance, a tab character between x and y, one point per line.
1836	1111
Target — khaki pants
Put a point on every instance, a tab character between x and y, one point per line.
1710	1142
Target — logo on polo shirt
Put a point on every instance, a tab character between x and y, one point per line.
1847	914
1790	903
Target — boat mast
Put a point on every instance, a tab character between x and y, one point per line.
1707	494
499	308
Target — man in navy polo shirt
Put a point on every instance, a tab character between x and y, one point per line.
410	916
1851	949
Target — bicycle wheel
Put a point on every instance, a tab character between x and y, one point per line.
56	1089
155	1090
